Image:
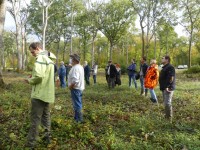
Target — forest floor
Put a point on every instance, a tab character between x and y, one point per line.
117	119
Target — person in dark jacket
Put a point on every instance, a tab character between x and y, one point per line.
112	72
106	73
167	85
87	73
143	70
62	75
118	76
55	71
131	73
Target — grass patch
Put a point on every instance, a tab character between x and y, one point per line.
115	119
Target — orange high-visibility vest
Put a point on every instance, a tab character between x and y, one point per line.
151	78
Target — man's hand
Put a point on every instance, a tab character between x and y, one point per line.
71	86
168	90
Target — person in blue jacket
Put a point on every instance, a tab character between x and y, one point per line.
131	73
62	75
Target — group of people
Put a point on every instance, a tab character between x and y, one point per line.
87	72
43	86
150	77
64	70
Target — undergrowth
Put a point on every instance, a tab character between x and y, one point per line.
114	119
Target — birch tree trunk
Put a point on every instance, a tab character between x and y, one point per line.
15	12
2	20
93	39
72	27
45	4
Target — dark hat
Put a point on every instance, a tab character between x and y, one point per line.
76	57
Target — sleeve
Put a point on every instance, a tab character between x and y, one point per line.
39	70
76	76
170	77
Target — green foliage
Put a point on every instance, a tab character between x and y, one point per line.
193	69
114	20
10	53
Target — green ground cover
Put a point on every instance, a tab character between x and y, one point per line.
118	119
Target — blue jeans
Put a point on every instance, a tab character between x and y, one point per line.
142	84
132	79
95	79
62	81
153	96
143	89
77	104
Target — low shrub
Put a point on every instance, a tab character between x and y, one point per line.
193	69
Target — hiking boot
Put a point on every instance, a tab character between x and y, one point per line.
153	100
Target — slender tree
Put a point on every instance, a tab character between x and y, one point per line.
15	13
2	20
190	17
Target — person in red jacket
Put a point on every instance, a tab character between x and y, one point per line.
151	79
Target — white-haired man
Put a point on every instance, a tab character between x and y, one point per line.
76	85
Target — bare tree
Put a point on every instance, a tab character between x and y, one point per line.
2	20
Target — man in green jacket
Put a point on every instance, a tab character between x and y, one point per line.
43	93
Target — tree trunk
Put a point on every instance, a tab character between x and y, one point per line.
19	53
23	50
190	49
127	53
2	20
143	41
93	50
26	53
167	43
57	51
84	49
155	44
45	22
72	28
93	39
111	48
65	52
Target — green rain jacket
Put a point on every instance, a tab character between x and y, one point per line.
42	79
